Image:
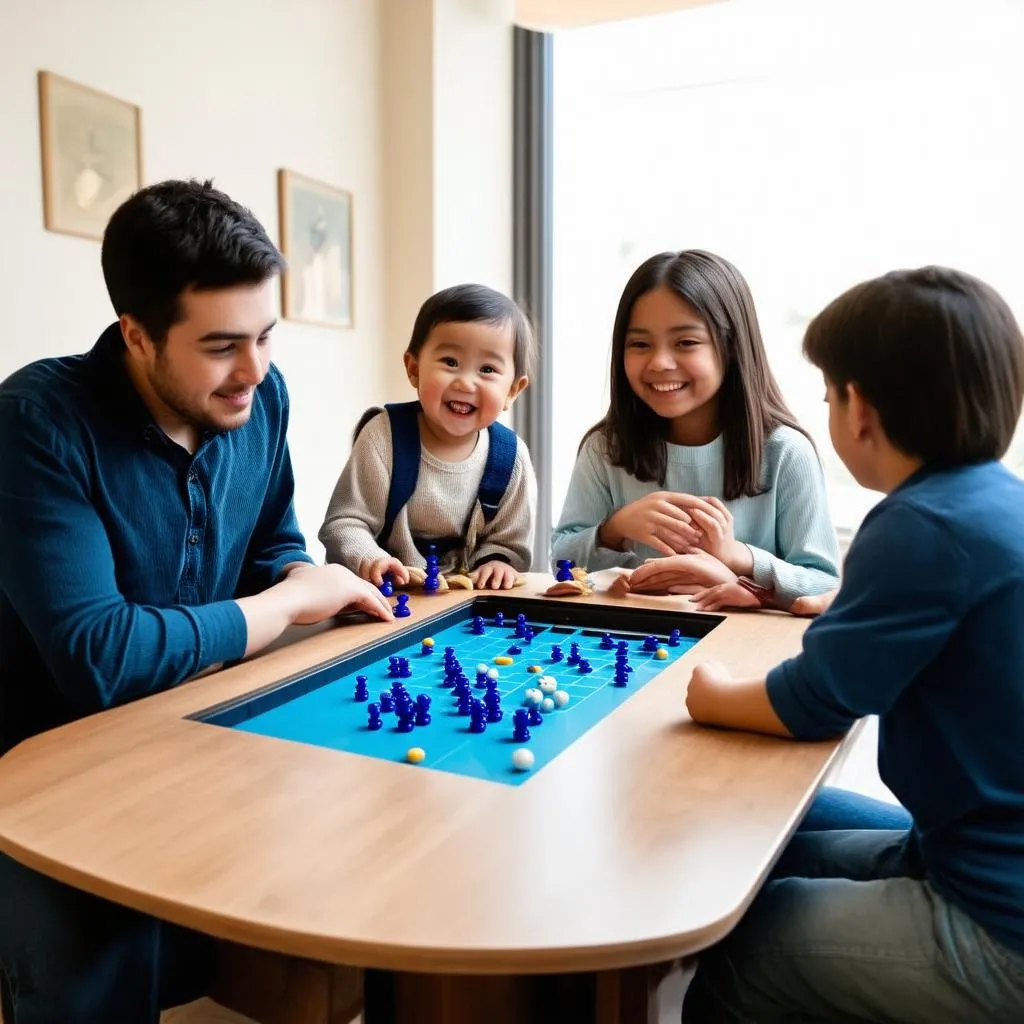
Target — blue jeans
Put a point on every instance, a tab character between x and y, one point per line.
847	930
70	958
840	809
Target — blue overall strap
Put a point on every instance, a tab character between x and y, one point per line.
405	462
501	460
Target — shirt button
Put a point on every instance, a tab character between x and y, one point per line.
193	538
193	478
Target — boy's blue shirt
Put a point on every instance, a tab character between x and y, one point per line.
926	632
121	553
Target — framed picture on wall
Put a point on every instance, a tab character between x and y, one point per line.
91	155
316	239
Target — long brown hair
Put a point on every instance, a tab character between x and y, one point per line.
750	404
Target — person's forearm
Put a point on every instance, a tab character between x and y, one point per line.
267	615
739	704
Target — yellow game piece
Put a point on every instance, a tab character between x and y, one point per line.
502	659
661	654
415	754
428	641
534	668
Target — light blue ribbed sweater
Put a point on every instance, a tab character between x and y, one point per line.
787	528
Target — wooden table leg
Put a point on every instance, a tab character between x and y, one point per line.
275	989
627	996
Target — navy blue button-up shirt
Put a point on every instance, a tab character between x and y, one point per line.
120	552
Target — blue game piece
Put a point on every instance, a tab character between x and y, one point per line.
427	649
387	702
556	653
362	690
574	655
401	609
528	635
607	643
515	649
481	680
564	574
650	644
584	667
387	588
479	626
423	709
533	715
495	714
374	722
404	668
520	720
499	618
520	625
674	637
477	717
406	721
465	703
430	584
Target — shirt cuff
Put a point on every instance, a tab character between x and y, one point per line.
223	633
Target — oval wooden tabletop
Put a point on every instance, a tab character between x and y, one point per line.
644	841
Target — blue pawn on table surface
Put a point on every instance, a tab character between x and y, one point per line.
387	588
406	718
607	643
515	649
374	723
423	709
674	638
520	625
401	609
362	690
499	619
651	644
404	668
387	702
427	649
465	703
574	655
556	653
528	634
584	667
564	574
520	721
481	680
533	715
479	626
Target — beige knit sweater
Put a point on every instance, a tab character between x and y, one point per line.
444	505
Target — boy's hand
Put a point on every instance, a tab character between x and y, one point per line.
320	591
376	569
704	693
496	575
813	605
680	574
657	520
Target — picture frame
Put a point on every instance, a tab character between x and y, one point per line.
316	240
91	152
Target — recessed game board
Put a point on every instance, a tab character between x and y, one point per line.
494	689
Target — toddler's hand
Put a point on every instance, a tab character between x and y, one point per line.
496	575
376	569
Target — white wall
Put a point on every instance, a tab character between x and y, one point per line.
229	89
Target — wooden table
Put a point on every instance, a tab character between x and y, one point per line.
641	843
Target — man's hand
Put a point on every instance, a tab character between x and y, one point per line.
316	592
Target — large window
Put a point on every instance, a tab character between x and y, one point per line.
812	144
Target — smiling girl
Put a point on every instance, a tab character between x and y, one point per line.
698	476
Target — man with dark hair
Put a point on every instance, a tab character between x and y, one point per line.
148	532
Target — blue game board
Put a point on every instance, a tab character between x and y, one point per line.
322	710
